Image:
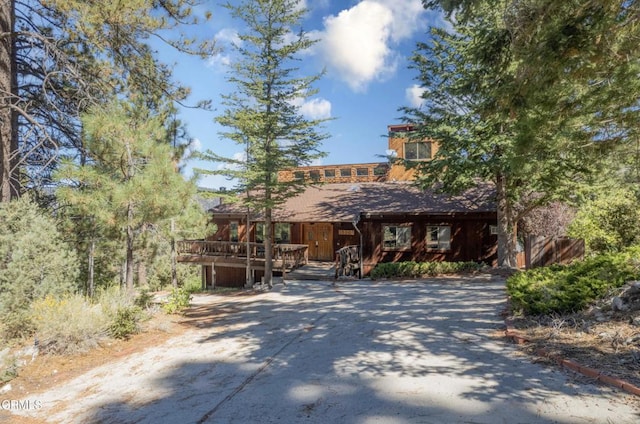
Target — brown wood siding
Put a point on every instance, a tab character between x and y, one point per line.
470	240
223	232
376	171
230	277
397	171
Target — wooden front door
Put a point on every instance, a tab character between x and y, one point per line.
319	238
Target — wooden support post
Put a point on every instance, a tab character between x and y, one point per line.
213	275
204	277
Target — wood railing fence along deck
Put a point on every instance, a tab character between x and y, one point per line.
285	256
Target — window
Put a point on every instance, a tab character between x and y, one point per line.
396	237
345	172
417	151
380	170
314	175
259	232
329	173
233	231
282	232
298	175
362	172
439	237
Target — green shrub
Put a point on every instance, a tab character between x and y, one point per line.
125	312
144	299
35	262
68	324
125	322
571	288
608	223
412	269
16	324
178	300
8	369
193	285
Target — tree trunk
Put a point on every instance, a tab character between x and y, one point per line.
90	283
8	117
506	226
268	248
174	261
247	278
129	260
142	273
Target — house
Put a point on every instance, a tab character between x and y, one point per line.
374	206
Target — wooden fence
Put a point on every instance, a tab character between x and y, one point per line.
543	251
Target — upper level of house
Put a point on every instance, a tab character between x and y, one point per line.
400	146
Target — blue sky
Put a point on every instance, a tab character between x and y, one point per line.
364	47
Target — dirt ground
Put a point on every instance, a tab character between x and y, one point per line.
608	342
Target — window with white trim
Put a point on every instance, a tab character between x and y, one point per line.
396	237
439	237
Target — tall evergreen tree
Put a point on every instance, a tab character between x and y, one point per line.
8	116
521	93
473	109
58	57
262	114
129	181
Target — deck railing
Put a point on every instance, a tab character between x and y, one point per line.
291	255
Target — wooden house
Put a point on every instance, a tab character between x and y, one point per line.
374	206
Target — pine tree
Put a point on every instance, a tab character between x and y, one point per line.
129	181
59	57
476	110
8	116
262	115
533	95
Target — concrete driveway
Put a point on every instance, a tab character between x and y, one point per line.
362	352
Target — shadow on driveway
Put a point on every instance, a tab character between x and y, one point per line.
362	352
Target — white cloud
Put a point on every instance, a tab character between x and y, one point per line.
407	17
195	145
228	36
315	108
225	40
302	4
357	44
413	95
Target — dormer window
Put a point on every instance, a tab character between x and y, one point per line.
417	150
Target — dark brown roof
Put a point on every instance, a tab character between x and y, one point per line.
341	202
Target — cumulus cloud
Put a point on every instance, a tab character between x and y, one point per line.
315	108
413	95
225	39
357	44
228	36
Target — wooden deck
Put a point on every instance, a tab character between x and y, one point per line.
230	254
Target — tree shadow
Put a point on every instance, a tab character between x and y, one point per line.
357	353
